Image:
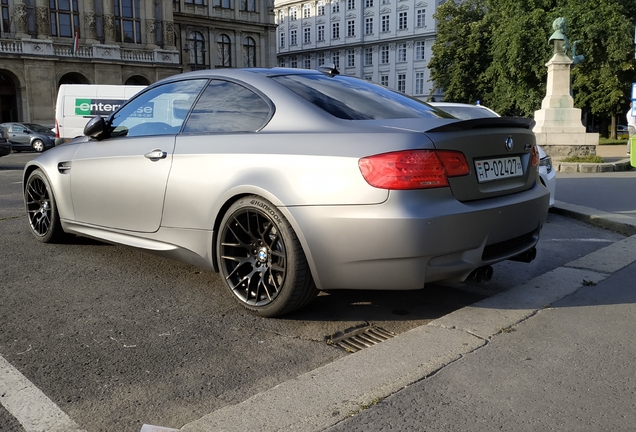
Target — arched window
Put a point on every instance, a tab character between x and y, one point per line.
249	52
225	51
196	48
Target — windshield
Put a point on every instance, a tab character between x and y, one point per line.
351	98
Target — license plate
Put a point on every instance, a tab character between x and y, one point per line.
500	168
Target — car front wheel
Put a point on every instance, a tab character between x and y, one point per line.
261	259
41	209
38	145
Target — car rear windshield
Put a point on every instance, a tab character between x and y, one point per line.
351	98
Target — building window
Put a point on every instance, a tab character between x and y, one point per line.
401	52
307	35
64	17
249	52
335	31
281	17
368	3
321	8
351	28
4	19
294	62
224	51
368	56
307	62
385	2
281	62
321	33
384	54
293	38
306	10
351	4
246	5
351	58
196	49
385	19
419	83
368	77
335	6
402	20
384	80
421	18
401	83
282	40
368	26
321	59
419	50
127	21
336	59
293	13
225	4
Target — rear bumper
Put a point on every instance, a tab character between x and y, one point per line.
416	237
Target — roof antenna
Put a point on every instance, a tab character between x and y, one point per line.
329	69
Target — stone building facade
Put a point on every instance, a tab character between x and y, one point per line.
121	42
388	42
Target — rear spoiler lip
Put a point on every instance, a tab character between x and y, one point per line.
486	123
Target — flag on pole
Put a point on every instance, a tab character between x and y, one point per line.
75	47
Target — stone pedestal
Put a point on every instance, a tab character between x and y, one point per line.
558	127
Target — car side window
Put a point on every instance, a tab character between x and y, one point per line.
17	129
226	106
158	111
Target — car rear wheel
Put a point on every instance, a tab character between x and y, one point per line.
38	145
41	209
261	259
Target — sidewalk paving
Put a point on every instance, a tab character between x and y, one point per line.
554	353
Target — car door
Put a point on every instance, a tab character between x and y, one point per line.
119	182
19	135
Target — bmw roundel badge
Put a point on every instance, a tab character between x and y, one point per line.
509	143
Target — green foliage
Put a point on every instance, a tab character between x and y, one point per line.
583	159
496	50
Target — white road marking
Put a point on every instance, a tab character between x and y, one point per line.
32	408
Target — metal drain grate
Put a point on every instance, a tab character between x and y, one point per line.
357	339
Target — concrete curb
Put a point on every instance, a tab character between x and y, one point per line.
623	224
577	167
323	397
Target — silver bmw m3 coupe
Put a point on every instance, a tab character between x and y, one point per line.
290	181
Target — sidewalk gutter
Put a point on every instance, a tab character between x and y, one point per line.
321	398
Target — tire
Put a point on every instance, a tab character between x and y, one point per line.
41	209
261	259
38	145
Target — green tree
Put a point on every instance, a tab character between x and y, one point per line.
602	82
496	50
460	52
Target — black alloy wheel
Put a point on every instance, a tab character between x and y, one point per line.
41	208
261	259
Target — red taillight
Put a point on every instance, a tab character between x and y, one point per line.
535	159
413	169
57	129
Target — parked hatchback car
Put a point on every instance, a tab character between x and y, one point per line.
547	175
5	146
290	181
29	136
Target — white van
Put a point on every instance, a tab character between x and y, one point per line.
78	103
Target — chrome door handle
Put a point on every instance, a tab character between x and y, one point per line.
155	155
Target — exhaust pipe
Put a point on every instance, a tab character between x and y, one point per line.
526	257
481	273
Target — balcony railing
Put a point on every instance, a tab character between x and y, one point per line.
97	51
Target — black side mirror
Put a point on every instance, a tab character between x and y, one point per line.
95	128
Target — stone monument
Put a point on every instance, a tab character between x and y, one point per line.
558	127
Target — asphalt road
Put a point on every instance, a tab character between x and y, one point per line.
118	338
